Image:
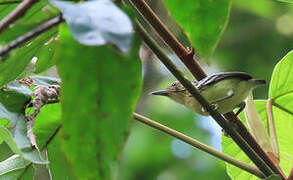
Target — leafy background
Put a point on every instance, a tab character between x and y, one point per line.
257	35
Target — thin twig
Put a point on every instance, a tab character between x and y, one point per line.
214	152
198	72
10	2
195	93
18	12
272	129
33	33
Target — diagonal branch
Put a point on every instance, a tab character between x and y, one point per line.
195	93
18	12
29	35
185	55
199	145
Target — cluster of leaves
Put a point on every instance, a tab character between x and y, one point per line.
100	85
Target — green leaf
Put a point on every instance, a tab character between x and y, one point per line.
281	86
97	22
203	21
47	122
12	101
99	91
45	55
284	127
12	167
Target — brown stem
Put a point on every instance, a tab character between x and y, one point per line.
185	55
245	134
10	2
18	12
33	33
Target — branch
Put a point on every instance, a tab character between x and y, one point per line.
10	2
185	55
194	67
199	145
195	93
19	11
33	33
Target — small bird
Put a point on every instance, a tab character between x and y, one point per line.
225	91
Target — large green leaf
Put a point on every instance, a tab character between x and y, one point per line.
99	90
281	86
203	21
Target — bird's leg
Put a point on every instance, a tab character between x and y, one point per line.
229	95
241	107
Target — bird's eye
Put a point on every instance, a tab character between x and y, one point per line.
173	84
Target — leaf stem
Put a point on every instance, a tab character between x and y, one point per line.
18	12
195	93
210	150
33	33
272	129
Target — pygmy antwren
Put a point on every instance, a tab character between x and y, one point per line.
225	91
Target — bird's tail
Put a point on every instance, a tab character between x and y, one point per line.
258	82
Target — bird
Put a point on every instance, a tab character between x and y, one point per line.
225	91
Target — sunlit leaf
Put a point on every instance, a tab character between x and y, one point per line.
281	86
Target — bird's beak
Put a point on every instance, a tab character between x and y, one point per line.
160	93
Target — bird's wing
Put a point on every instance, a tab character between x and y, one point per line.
220	76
